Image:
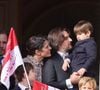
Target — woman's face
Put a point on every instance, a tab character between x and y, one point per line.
46	50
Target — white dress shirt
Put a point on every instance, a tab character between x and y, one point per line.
22	86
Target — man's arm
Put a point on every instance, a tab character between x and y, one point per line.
50	78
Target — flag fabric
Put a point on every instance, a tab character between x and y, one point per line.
12	59
40	86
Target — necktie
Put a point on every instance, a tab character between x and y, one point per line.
65	56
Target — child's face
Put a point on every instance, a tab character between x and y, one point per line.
82	36
31	76
87	86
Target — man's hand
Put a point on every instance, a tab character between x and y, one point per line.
75	77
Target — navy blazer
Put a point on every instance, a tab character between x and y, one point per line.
53	74
84	55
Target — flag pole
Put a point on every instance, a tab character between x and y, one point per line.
27	77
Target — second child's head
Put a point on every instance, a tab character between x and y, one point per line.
21	75
83	30
87	83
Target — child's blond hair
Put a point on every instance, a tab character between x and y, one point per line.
83	26
84	80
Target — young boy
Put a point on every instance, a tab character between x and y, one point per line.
87	83
84	52
21	77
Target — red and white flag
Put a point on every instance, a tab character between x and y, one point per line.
12	59
40	86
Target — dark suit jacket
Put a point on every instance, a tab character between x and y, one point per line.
53	74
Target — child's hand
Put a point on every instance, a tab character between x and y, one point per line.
65	65
81	71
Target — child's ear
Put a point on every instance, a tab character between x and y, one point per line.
88	33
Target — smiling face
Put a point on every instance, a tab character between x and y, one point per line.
87	86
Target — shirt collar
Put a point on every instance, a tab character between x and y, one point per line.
22	86
63	54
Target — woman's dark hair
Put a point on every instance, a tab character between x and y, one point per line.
35	43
